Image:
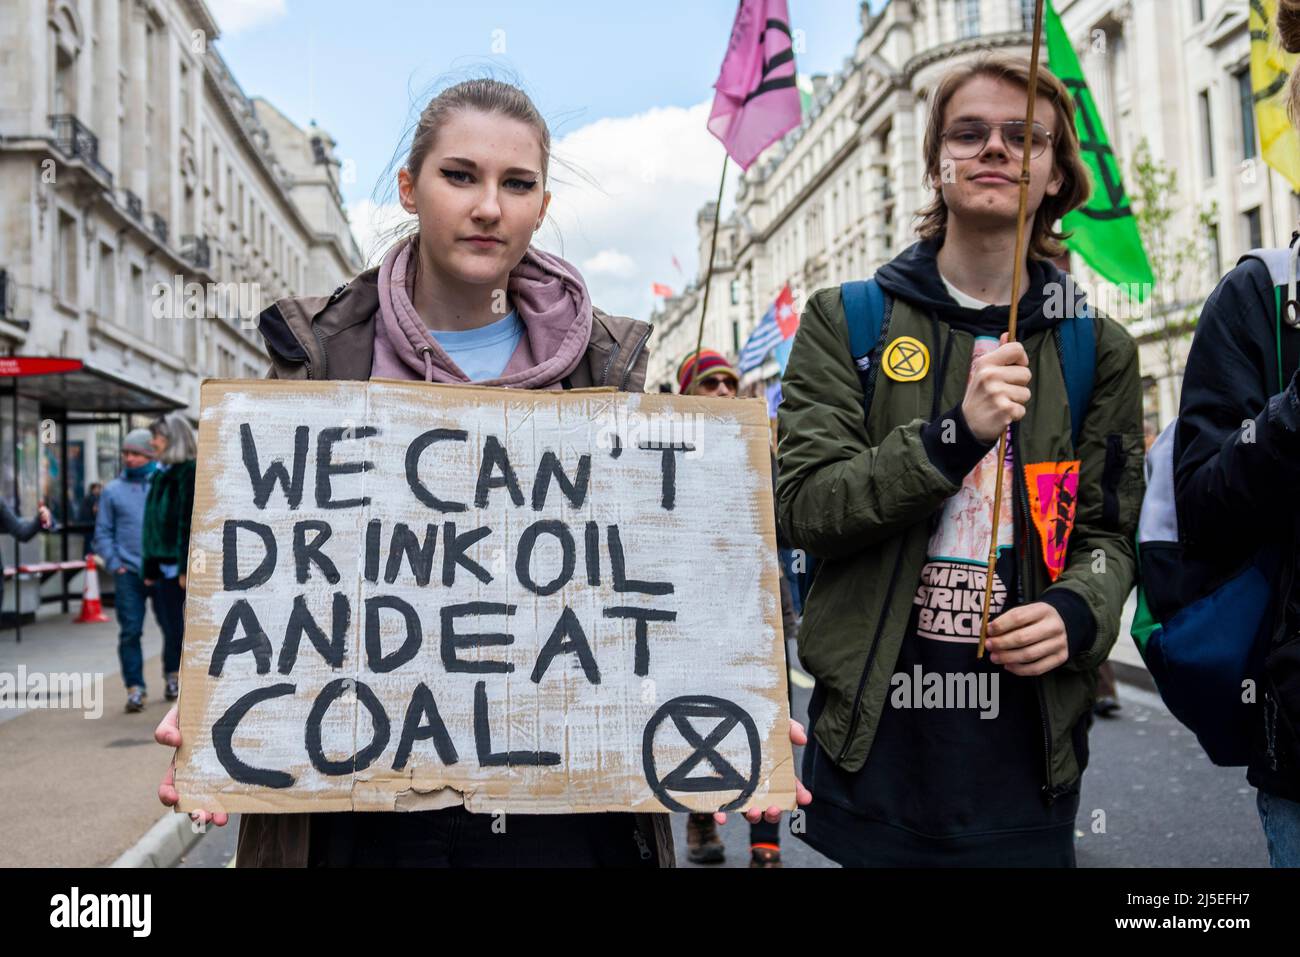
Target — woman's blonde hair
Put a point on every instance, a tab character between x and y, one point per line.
1288	28
1044	240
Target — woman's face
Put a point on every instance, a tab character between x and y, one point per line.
159	444
478	195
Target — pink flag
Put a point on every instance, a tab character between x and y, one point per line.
757	101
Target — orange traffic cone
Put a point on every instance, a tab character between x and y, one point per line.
91	609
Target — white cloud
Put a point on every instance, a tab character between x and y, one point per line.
609	262
236	15
373	225
652	172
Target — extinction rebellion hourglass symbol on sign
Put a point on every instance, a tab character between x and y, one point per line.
706	724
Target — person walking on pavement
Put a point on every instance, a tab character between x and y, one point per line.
921	753
119	526
718	379
166	541
1236	464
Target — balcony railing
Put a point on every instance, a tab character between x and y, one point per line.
158	226
134	206
195	249
75	140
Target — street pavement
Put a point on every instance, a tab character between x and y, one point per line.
1150	799
80	792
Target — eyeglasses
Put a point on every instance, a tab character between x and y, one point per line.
715	382
967	139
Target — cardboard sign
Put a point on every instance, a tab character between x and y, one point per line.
404	596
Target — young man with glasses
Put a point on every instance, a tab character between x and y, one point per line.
923	753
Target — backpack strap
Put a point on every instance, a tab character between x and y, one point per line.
1076	339
864	311
1282	269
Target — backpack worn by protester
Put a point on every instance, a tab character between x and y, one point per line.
1203	636
867	310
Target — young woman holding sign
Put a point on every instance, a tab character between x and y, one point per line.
465	298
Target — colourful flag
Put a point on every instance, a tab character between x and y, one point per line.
787	319
756	102
659	289
1270	66
1105	232
765	337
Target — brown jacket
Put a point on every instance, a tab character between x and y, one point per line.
332	337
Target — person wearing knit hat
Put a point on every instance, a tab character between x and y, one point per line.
716	375
137	443
118	544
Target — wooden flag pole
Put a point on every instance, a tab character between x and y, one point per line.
1016	276
708	276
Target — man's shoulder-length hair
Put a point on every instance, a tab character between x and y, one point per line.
1045	241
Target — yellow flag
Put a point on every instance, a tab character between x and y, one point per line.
1270	66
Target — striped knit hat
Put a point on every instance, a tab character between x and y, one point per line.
708	363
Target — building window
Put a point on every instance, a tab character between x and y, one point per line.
135	311
1027	15
67	259
106	282
1246	98
1212	250
190	325
735	287
968	18
1207	135
187	101
1198	10
1254	229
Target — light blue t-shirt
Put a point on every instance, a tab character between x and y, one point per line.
484	352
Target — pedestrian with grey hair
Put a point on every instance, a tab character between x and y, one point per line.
166	544
119	527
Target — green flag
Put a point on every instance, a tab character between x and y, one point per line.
1105	232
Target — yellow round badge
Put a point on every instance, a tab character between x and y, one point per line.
906	359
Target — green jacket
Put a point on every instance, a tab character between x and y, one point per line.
860	497
167	508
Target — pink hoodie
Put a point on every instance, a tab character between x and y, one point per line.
547	293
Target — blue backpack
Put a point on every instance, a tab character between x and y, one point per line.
867	311
1203	637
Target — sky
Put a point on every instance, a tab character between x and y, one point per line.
625	87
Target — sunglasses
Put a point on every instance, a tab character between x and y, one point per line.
714	381
967	139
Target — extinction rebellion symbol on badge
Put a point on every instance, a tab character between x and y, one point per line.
906	359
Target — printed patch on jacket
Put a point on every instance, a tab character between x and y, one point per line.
1053	498
906	359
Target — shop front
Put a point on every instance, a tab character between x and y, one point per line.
61	426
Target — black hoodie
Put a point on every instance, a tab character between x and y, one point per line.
1235	485
913	275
